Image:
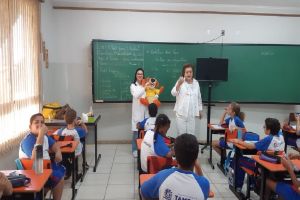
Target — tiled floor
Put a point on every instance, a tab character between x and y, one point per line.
117	177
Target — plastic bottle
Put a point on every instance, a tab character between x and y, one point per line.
38	161
91	111
240	134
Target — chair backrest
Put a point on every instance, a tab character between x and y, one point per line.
233	134
157	163
51	131
63	138
141	134
27	164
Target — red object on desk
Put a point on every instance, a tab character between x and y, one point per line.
67	149
37	180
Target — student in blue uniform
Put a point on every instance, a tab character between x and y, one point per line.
38	136
273	142
73	129
153	143
181	182
234	120
149	122
284	190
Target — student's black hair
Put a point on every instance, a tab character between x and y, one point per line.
273	125
152	108
138	69
186	150
237	110
161	121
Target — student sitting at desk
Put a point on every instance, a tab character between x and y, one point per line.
149	122
273	142
38	136
284	190
235	120
153	143
5	186
181	182
72	129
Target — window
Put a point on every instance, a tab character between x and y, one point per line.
19	68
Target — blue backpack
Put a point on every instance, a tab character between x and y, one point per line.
250	136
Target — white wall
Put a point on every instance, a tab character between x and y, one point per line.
68	78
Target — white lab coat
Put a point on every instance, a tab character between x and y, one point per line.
139	111
186	113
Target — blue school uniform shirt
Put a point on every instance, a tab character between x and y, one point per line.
271	143
148	123
27	145
153	145
236	120
176	184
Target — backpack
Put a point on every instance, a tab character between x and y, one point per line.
250	136
18	180
49	110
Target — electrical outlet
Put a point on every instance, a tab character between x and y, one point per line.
222	32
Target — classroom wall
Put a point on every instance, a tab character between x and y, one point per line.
68	78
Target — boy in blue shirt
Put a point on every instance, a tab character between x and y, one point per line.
149	122
284	190
273	142
181	182
38	136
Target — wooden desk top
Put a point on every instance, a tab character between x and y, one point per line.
237	145
272	166
61	122
68	149
215	127
37	180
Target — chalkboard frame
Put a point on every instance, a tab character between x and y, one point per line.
182	43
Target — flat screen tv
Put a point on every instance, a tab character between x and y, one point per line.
212	69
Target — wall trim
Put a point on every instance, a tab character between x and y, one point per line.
178	11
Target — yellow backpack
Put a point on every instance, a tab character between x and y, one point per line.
50	109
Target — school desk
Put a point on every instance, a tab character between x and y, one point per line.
35	186
240	150
90	123
268	168
214	129
145	177
289	133
69	151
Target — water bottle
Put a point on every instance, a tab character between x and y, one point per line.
240	134
38	161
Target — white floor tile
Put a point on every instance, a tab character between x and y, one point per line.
123	168
120	192
91	192
121	178
95	179
124	159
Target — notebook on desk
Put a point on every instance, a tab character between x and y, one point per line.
217	126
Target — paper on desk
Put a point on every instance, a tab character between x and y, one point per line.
294	127
249	141
216	126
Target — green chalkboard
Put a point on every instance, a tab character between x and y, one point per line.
256	73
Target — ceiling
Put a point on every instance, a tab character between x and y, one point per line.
271	3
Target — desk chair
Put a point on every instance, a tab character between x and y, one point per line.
157	163
27	164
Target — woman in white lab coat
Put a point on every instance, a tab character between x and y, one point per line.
188	104
139	111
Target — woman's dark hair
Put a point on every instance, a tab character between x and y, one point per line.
136	71
237	110
185	66
273	125
186	150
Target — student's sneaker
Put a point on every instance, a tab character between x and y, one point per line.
134	153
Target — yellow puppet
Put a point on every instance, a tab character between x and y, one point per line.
152	92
